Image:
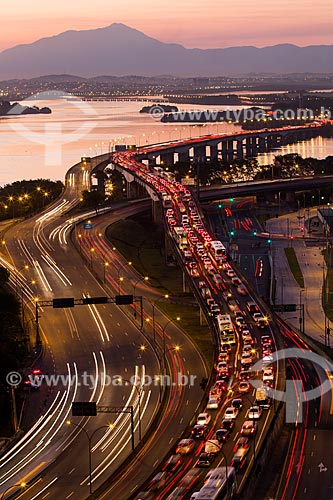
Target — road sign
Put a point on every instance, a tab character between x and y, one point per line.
87	225
66	302
188	182
124	299
84	409
94	300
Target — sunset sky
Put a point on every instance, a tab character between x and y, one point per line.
192	23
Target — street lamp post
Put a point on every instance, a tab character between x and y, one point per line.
163	338
106	264
89	437
301	318
220	447
139	391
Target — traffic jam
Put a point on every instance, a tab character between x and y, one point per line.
226	433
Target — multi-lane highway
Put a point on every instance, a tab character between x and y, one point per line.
88	345
101	341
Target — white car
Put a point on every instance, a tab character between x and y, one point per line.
203	419
230	413
213	403
268	375
254	413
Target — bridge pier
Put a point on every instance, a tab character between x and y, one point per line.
167	159
240	151
156	212
200	152
214	154
224	150
230	150
184	156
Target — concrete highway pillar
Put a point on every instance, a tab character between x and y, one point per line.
240	152
224	150
262	144
184	156
200	152
230	150
156	212
152	161
213	153
167	159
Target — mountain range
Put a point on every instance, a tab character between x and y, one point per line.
120	50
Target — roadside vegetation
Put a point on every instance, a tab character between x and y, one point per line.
26	198
14	347
142	243
327	291
294	266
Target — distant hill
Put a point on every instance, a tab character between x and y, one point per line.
120	50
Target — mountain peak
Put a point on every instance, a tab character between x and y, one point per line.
118	49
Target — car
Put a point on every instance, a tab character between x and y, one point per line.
222	367
249	428
222	435
232	305
236	281
242	290
247	339
265	339
206	293
231	412
262	322
158	481
257	316
244	387
202	284
245	375
194	273
172	464
230	272
217	278
205	460
239	459
254	412
252	307
185	446
223	356
213	403
247	348
228	423
215	391
203	418
267	360
212	447
239	320
221	384
268	375
237	403
215	310
242	441
199	431
227	295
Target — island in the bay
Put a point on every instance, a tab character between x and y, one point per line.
10	109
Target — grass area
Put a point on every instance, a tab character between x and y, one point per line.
190	323
294	266
143	244
327	291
